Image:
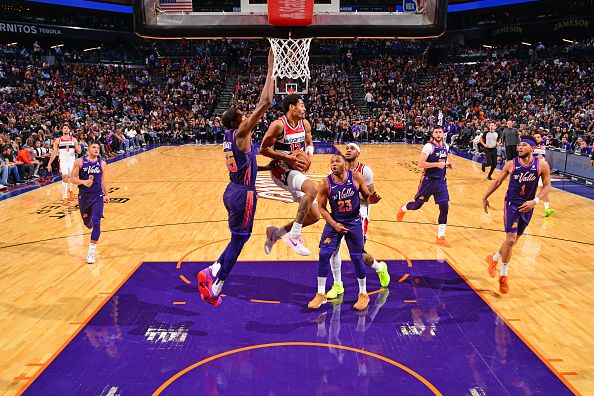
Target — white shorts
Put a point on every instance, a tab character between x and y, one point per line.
290	180
66	167
540	182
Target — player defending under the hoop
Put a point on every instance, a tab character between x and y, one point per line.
290	133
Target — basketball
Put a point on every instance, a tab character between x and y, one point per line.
302	156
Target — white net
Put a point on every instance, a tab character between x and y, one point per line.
291	58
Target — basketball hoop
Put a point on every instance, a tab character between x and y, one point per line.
291	61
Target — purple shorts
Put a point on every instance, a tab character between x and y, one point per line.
433	186
514	220
90	206
354	238
240	202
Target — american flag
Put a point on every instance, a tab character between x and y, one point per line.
175	5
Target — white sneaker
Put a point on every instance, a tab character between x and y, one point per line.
297	245
271	239
91	257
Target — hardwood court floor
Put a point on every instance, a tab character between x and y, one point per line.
168	202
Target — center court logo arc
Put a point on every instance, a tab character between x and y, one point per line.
188	369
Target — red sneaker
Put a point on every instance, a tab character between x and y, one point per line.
441	241
205	281
503	284
400	215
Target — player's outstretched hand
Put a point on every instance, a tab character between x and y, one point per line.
486	206
88	182
106	198
374	198
49	167
527	206
441	165
340	228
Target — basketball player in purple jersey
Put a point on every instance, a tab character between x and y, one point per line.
240	196
290	133
342	188
352	154
520	200
434	161
89	174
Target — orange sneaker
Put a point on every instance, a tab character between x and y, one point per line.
400	215
71	196
492	266
441	241
503	285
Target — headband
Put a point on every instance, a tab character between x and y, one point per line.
355	146
528	141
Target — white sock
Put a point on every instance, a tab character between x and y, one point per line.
295	230
547	204
64	190
404	208
335	264
362	285
215	268
496	256
376	265
217	286
92	247
280	232
322	284
441	230
503	270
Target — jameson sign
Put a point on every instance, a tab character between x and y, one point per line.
572	23
508	30
27	28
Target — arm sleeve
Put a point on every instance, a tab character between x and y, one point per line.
427	149
368	175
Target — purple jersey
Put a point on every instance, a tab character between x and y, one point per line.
91	169
523	182
344	199
439	154
242	165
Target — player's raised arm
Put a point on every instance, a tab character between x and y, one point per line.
76	146
245	128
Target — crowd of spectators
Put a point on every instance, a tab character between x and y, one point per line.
171	99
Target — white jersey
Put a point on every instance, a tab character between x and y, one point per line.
292	139
368	176
540	150
66	150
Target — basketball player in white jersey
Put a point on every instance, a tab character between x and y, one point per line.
352	155
539	151
66	147
290	133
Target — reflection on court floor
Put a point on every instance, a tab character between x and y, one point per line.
428	333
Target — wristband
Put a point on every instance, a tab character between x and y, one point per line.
309	150
537	200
